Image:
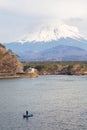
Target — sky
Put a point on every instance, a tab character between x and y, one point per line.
19	17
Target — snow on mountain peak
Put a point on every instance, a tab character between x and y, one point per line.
52	32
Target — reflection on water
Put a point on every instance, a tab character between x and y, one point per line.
56	102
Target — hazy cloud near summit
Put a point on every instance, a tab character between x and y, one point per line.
17	16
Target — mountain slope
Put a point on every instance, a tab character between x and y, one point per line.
28	51
63	53
52	32
31	46
59	53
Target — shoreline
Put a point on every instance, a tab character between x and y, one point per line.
33	75
19	76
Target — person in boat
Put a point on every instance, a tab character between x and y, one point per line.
27	113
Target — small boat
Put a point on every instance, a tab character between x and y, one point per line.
26	116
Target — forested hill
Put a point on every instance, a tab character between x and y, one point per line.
57	68
9	62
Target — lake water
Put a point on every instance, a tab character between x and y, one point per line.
56	102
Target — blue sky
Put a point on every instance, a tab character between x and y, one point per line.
18	17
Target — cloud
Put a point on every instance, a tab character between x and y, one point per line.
20	16
53	8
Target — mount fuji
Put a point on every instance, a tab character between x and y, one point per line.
59	42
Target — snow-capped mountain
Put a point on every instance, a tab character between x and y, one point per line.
52	32
42	44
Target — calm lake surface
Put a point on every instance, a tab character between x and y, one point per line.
56	102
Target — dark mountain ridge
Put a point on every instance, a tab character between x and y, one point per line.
62	49
60	53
